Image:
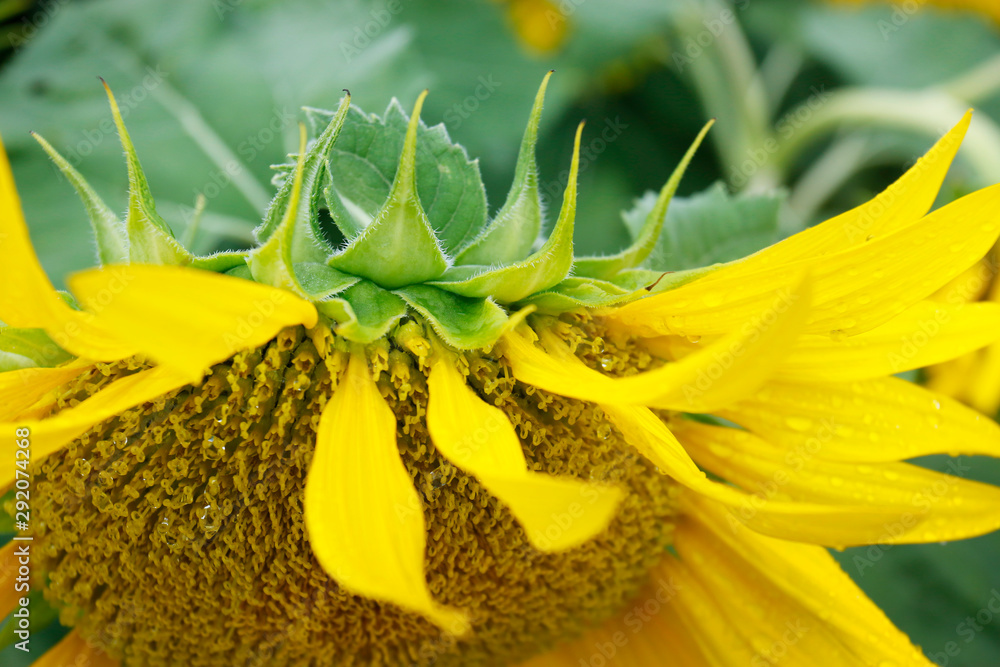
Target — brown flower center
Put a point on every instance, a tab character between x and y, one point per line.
174	534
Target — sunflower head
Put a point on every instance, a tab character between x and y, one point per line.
399	431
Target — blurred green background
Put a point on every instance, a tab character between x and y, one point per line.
819	107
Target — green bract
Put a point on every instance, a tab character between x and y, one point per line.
417	238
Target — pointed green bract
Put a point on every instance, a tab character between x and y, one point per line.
109	231
308	244
150	240
540	271
581	292
711	227
294	237
222	262
513	231
320	281
406	198
365	312
399	247
649	234
460	321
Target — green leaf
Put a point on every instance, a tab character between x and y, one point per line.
708	228
462	322
363	165
869	46
32	345
364	312
649	233
109	231
399	247
513	231
540	271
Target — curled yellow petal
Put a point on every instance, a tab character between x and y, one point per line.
365	519
816	522
873	420
186	318
901	204
556	513
721	373
926	506
925	334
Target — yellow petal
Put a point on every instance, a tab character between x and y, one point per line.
721	373
983	392
926	506
854	290
901	204
21	389
52	434
73	650
872	420
556	513
759	601
365	519
186	318
28	298
647	629
818	522
925	334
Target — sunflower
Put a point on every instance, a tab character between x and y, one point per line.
445	443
